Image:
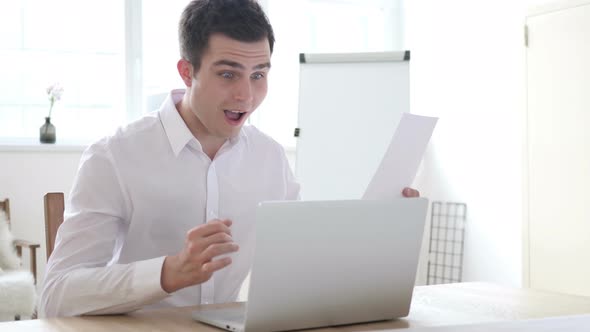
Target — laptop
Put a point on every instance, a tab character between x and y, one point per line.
326	263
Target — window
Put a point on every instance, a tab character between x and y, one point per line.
160	49
66	41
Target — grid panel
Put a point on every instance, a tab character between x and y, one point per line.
445	250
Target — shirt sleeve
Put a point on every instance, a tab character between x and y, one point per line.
82	276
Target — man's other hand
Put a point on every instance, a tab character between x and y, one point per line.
410	192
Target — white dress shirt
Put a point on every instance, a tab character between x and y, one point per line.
136	195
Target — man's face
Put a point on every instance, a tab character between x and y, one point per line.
229	85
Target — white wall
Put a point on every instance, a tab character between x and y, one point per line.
468	67
25	177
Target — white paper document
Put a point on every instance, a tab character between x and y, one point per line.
402	158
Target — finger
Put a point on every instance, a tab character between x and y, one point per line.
198	245
208	229
410	192
217	238
216	265
226	222
218	249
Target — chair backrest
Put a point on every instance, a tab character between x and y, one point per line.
5	206
54	216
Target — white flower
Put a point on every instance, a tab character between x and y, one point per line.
54	92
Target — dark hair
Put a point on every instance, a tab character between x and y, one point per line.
242	20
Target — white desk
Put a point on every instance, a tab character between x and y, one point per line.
440	305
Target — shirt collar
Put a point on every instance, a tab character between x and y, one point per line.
176	130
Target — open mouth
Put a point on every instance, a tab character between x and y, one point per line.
234	116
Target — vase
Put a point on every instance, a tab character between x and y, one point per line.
47	132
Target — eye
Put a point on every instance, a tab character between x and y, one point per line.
226	74
257	76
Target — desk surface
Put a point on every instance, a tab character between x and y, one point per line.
451	304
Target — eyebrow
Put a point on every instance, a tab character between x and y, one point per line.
239	65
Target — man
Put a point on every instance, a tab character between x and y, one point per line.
162	212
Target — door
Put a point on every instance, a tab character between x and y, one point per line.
558	144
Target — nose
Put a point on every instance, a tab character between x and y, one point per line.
243	91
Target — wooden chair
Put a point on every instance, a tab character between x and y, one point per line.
20	244
54	216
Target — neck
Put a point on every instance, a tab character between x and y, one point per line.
211	148
210	143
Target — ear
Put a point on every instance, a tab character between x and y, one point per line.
185	69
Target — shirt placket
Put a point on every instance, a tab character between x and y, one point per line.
208	287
